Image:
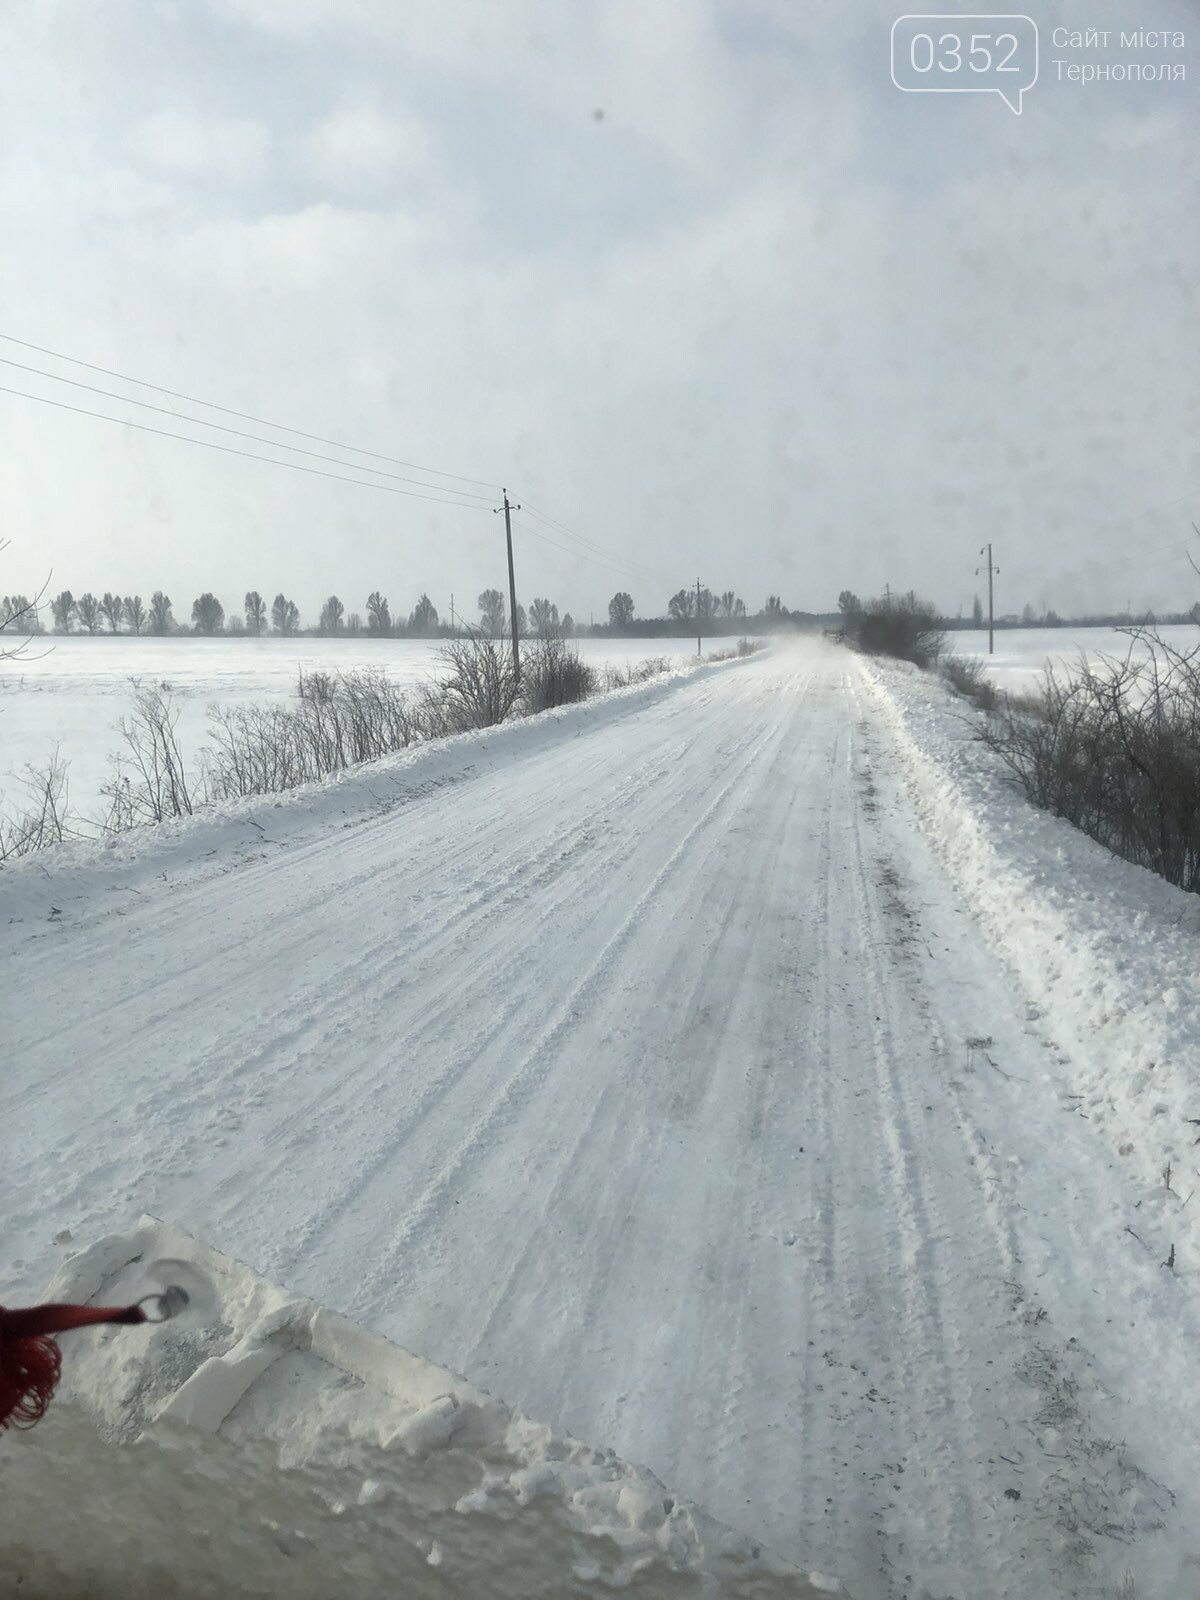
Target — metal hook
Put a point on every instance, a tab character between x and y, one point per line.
168	1304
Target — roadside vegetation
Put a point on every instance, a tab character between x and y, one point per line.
1115	749
337	721
1112	747
900	626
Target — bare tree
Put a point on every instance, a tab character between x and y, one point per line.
332	612
620	609
285	616
19	615
493	612
543	617
63	609
726	603
424	617
208	614
379	617
134	612
161	620
113	608
256	612
88	608
682	605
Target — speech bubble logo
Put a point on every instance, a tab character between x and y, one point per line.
964	53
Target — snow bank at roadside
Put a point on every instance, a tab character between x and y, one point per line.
275	1449
223	837
1106	951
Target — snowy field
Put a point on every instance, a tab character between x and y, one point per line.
733	1072
1022	653
72	692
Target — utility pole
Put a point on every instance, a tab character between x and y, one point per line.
887	590
453	624
512	582
991	572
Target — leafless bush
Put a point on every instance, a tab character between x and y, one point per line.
317	687
254	750
379	718
613	677
481	687
1115	749
744	647
339	722
554	674
904	628
149	780
969	676
44	818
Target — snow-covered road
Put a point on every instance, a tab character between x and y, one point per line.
627	1068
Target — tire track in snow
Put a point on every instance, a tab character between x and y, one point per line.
411	1236
554	1125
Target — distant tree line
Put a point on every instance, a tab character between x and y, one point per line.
687	609
1045	616
690	610
114	614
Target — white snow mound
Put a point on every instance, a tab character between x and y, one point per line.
278	1450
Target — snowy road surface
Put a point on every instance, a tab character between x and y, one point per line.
632	1076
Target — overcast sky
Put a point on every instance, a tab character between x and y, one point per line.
692	277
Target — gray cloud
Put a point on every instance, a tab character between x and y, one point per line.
766	319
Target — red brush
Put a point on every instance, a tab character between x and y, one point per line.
30	1360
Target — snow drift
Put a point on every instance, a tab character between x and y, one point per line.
277	1449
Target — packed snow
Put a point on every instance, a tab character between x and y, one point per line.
734	1072
359	1469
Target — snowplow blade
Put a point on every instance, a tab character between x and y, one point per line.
276	1449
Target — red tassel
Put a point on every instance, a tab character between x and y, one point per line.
29	1370
30	1360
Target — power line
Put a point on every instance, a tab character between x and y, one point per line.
591	544
231	450
1173	551
580	555
201	422
598	556
245	416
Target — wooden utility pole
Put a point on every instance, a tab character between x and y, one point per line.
991	571
512	582
697	616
